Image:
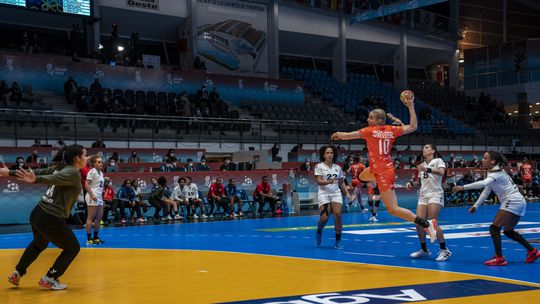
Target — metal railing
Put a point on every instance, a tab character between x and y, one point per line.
49	126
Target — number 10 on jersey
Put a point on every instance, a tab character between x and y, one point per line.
384	146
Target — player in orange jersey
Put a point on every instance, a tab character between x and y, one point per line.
356	184
526	177
379	139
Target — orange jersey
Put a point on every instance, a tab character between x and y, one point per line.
379	141
526	170
355	170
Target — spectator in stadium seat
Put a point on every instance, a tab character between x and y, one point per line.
37	143
19	164
474	163
170	160
112	166
60	144
71	90
203	166
275	152
462	163
297	148
217	195
190	166
263	194
306	166
116	157
227	165
32	158
98	144
214	95
134	158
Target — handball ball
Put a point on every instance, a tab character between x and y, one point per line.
407	94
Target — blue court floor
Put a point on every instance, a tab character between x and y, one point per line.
388	242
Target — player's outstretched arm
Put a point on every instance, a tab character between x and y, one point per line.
345	135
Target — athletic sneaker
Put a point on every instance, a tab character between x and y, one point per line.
240	214
338	245
177	217
444	254
98	241
14	278
318	239
234	214
373	219
496	261
51	283
89	242
532	255
364	210
195	216
420	254
431	230
211	216
204	216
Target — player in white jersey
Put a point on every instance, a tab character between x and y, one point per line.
330	179
179	195
512	208
94	199
192	194
430	199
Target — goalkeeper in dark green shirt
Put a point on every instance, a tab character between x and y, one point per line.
48	218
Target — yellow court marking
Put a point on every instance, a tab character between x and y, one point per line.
189	276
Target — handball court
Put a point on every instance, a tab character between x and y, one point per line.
275	260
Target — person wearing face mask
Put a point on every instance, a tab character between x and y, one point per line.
203	166
19	164
112	167
134	158
170	160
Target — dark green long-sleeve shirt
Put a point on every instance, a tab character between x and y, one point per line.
64	188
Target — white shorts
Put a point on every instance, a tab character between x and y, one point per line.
431	199
330	198
98	202
515	207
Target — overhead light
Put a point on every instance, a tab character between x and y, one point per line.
538	103
515	112
530	106
100	46
120	48
461	61
536	112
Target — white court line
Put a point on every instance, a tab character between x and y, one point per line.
371	254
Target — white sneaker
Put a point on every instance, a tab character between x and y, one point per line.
364	210
234	214
444	254
177	217
431	230
51	283
195	216
211	216
373	219
240	214
420	254
204	216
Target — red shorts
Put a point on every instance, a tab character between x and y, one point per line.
356	183
526	179
385	181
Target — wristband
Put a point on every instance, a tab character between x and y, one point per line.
429	170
